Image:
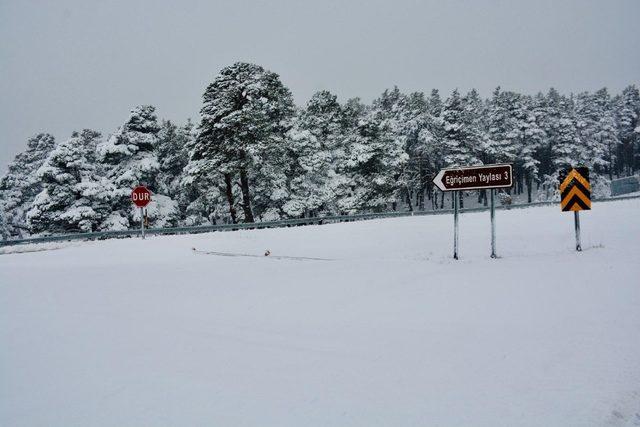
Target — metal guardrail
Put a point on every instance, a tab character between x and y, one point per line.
99	235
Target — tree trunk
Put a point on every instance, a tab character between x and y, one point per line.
229	186
519	186
529	185
246	197
409	201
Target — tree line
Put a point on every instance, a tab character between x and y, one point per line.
255	156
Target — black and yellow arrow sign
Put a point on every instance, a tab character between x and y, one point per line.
575	190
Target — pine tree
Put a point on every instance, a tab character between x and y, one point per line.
606	130
354	112
172	155
459	133
4	232
21	184
245	116
522	136
129	159
565	144
204	197
561	147
74	198
129	154
316	149
545	107
475	116
533	138
459	146
628	114
434	103
598	138
503	127
592	147
418	145
401	120
374	163
433	138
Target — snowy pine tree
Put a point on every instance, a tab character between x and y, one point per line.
434	103
533	138
375	161
503	114
565	143
592	148
561	147
606	130
4	232
74	198
459	133
245	116
398	121
20	185
129	159
317	153
628	115
173	156
418	145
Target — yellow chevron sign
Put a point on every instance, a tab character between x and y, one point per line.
575	190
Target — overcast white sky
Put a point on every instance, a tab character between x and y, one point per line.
67	65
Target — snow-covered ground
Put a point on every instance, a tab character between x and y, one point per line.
384	329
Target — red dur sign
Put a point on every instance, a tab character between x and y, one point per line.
141	196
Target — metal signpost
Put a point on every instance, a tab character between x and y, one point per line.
456	200
141	197
575	195
487	177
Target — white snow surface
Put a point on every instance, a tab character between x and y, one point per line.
390	332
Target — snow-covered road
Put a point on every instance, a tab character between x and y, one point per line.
376	325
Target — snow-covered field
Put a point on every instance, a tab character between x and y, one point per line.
384	330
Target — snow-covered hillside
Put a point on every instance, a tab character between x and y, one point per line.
382	329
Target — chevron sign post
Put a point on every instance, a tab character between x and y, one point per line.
575	195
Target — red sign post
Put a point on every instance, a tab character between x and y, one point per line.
141	197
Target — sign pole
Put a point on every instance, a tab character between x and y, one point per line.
141	197
577	223
455	224
575	195
142	222
483	177
493	225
